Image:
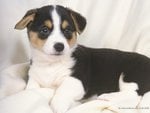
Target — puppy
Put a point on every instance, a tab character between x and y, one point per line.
75	71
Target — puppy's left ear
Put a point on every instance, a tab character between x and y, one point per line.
29	16
79	21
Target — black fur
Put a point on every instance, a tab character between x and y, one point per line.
100	69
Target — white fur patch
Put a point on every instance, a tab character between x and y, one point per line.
127	85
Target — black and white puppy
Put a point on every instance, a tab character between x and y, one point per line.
75	71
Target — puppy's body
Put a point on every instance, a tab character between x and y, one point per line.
100	69
72	70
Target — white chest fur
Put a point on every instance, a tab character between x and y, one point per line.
51	75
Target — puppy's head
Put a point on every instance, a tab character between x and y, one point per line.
52	29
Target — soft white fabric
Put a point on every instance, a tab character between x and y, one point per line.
28	101
38	100
144	105
13	79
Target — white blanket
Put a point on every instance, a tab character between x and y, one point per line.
38	100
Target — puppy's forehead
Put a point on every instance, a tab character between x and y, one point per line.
64	14
45	13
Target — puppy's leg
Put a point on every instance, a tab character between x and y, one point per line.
127	89
32	84
70	91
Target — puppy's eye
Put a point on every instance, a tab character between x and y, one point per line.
67	31
44	32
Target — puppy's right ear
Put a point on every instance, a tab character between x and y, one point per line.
79	20
29	17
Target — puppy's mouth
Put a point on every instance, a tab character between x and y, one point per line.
53	53
56	54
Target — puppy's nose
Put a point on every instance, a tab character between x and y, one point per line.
59	47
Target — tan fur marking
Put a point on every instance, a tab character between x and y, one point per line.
73	40
48	23
64	24
76	25
35	40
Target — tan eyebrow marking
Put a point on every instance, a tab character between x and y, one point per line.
48	23
64	24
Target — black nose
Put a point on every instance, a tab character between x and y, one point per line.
59	47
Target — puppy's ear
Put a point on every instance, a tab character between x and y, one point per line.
79	21
29	16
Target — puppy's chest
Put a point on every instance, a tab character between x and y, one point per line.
51	76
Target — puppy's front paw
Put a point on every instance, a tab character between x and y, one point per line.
60	105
